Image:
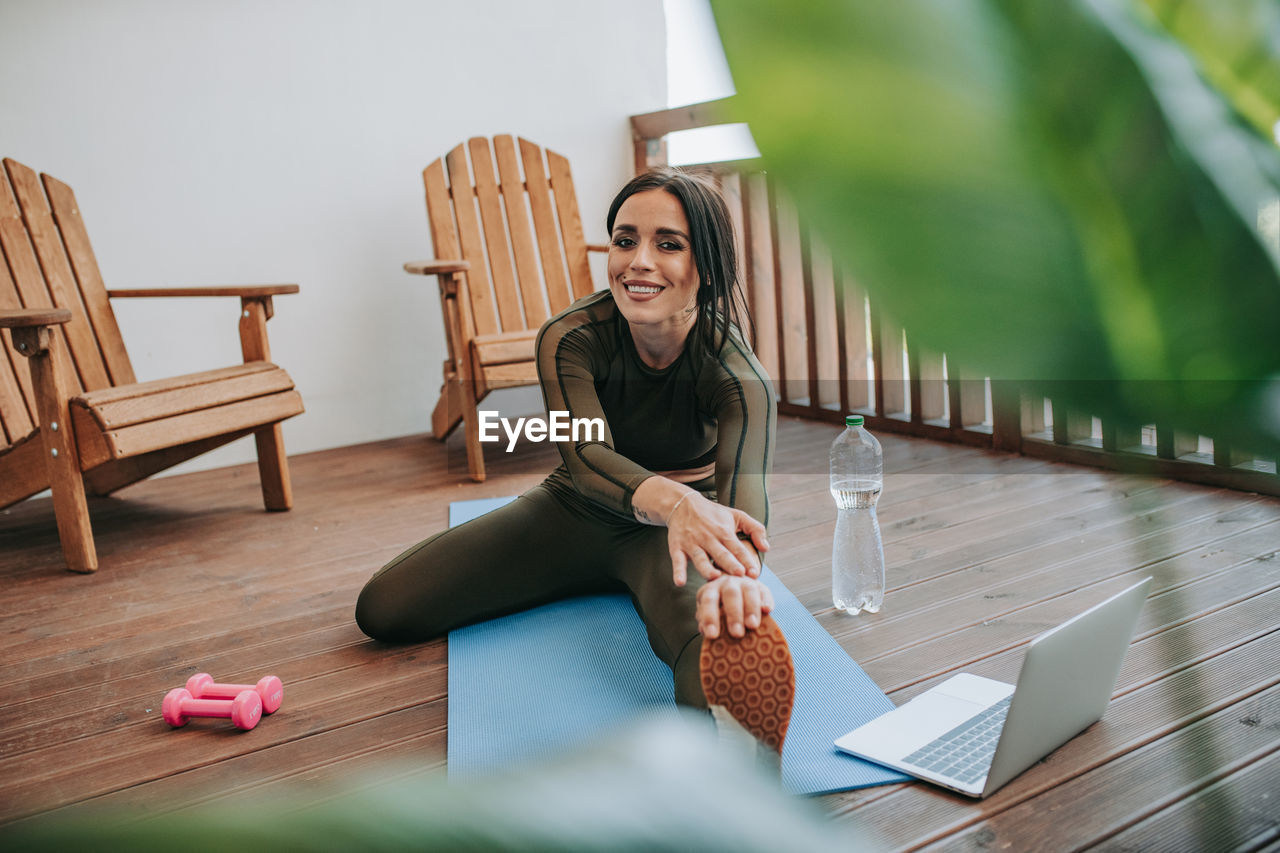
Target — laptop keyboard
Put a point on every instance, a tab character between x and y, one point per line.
965	752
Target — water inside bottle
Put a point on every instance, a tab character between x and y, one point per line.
858	494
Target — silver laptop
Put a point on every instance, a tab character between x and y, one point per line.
973	734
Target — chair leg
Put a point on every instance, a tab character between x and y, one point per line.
71	509
448	410
273	468
62	461
471	426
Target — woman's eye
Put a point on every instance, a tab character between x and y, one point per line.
671	246
623	242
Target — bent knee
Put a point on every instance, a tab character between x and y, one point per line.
382	615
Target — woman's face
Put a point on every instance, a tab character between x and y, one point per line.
651	269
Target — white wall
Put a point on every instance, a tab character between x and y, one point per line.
258	141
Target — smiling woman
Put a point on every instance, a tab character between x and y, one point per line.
676	477
653	276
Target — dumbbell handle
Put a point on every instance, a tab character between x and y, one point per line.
269	689
244	710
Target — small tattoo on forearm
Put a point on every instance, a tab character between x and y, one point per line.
643	516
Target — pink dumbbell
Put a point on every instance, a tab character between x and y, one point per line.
269	689
179	705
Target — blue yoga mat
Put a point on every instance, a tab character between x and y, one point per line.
535	684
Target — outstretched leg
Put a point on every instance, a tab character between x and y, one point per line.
751	677
529	552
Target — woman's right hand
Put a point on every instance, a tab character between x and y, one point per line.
709	535
742	602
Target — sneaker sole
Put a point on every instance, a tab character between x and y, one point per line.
754	678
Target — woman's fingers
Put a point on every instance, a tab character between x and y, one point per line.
710	536
751	605
745	557
679	566
708	612
741	602
731	606
705	566
752	528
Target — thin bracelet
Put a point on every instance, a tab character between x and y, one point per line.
671	514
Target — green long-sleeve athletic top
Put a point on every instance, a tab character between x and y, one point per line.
702	408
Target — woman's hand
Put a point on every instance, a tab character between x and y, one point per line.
743	601
706	534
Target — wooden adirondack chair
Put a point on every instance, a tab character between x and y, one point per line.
73	418
509	254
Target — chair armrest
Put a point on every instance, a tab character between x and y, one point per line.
31	327
256	309
434	267
447	270
22	318
597	247
247	291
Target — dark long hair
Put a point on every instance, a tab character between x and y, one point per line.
720	300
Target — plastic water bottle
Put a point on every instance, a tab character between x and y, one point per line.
857	559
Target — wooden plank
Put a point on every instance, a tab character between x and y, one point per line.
757	266
826	331
128	411
1013	607
29	283
1238	807
510	375
891	370
17	400
575	245
972	391
657	124
70	506
550	251
244	291
444	234
532	292
93	293
914	815
855	345
931	380
211	586
25	472
340	698
196	426
114	474
497	246
47	243
109	396
792	296
1142	783
479	302
731	190
505	348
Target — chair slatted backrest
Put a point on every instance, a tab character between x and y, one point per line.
520	231
48	262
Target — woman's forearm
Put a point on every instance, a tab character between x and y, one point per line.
656	499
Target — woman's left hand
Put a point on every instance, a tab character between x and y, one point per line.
705	533
743	601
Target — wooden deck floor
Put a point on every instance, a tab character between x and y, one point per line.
984	550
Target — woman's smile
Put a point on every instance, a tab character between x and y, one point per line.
652	272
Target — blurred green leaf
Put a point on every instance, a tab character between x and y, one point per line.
1236	44
1049	192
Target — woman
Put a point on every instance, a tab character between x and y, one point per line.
678	481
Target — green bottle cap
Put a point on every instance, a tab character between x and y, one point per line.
853	420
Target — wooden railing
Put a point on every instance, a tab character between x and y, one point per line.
831	350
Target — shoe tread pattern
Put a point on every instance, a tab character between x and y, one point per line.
754	678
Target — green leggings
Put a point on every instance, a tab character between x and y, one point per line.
550	543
